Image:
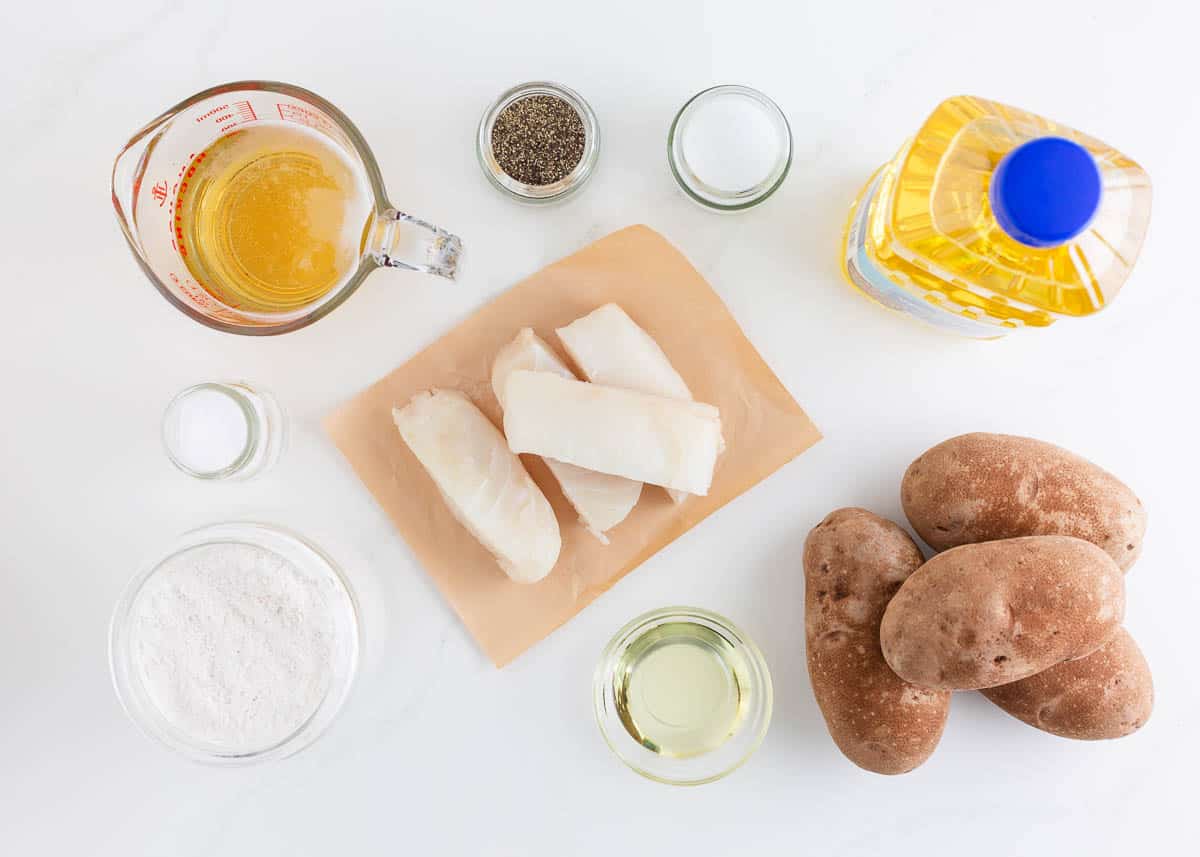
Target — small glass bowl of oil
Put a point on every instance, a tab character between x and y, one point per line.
682	696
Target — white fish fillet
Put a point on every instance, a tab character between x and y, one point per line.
653	439
611	349
483	482
602	500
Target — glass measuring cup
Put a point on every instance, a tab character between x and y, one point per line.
155	163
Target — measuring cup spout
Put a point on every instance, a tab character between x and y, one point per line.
127	176
396	238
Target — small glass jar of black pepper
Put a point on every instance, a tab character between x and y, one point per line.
538	143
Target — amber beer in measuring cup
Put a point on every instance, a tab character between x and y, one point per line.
257	208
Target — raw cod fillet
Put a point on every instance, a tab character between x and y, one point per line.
611	349
602	500
668	442
483	482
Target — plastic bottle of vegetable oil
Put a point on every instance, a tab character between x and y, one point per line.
992	218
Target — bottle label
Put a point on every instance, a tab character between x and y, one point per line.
878	285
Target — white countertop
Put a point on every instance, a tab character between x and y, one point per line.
437	752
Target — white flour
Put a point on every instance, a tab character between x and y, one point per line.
233	644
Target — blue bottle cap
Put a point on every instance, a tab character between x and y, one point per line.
1046	191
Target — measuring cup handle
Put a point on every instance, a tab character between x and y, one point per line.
395	234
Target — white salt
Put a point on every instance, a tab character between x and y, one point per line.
730	141
207	430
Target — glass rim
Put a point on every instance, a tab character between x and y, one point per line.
555	191
128	688
743	199
624	746
322	306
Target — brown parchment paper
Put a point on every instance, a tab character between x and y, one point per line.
638	269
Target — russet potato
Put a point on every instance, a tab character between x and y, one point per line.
982	487
854	561
981	615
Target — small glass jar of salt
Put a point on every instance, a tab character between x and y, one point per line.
730	147
221	430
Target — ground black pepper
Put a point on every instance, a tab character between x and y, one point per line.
538	140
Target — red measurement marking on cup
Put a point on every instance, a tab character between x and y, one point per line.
175	223
202	300
191	291
228	116
304	116
245	111
211	114
159	191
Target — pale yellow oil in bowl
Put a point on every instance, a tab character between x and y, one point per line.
679	689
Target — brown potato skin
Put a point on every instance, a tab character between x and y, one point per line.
987	614
982	487
854	561
1108	694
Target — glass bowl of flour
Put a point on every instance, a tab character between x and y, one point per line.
237	646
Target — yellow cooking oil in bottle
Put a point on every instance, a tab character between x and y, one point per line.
992	218
681	689
271	218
